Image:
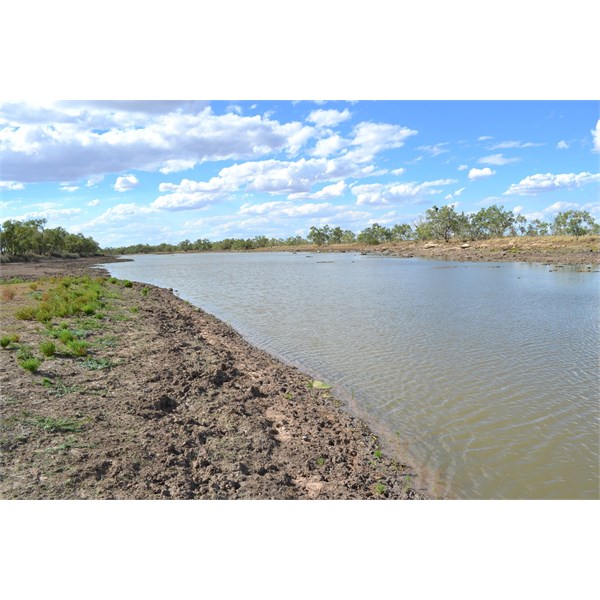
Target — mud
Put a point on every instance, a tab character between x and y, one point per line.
171	403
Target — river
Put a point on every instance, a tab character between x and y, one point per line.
485	373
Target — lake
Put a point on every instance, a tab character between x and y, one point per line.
485	374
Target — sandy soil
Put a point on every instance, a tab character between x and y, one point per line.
171	403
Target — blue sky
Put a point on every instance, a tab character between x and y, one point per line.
126	172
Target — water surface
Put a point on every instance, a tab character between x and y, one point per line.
486	373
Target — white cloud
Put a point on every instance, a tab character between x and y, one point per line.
69	188
49	213
483	138
334	190
94	180
514	144
496	159
125	183
330	145
176	165
462	167
596	137
372	138
455	194
94	202
399	171
480	173
328	118
120	212
378	194
562	145
11	185
287	209
435	150
82	144
535	184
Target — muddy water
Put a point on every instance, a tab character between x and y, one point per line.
487	373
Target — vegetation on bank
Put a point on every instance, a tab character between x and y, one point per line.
32	237
437	224
21	238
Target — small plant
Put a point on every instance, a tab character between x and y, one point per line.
24	352
320	385
59	389
48	348
144	291
97	364
31	364
34	286
378	454
320	461
65	336
127	283
60	425
113	280
8	293
78	347
134	310
5	341
380	488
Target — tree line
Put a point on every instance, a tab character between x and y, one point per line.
33	237
438	223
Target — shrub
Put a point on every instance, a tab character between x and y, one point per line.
127	284
5	341
78	347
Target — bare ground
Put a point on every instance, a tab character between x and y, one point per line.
171	403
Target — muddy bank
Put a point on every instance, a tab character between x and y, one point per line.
169	402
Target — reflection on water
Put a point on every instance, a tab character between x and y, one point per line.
487	373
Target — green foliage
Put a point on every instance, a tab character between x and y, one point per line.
491	222
78	347
48	348
574	222
97	364
32	237
375	234
380	488
31	364
5	341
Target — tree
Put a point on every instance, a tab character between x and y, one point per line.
537	227
574	222
401	232
489	222
319	235
443	223
375	234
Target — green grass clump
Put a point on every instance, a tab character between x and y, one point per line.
144	291
48	348
5	341
127	283
380	488
31	364
78	347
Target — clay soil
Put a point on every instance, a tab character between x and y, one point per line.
170	402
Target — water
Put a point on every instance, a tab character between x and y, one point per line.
487	374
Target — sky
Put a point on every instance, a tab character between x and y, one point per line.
149	171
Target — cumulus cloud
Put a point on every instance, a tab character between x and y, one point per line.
267	176
328	118
334	190
61	145
480	173
69	188
596	137
539	183
94	202
483	138
562	145
120	212
372	138
330	145
11	185
287	209
462	167
378	194
399	171
49	213
496	159
125	183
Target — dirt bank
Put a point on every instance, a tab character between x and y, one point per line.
166	401
545	249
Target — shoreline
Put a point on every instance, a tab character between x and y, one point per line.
185	408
